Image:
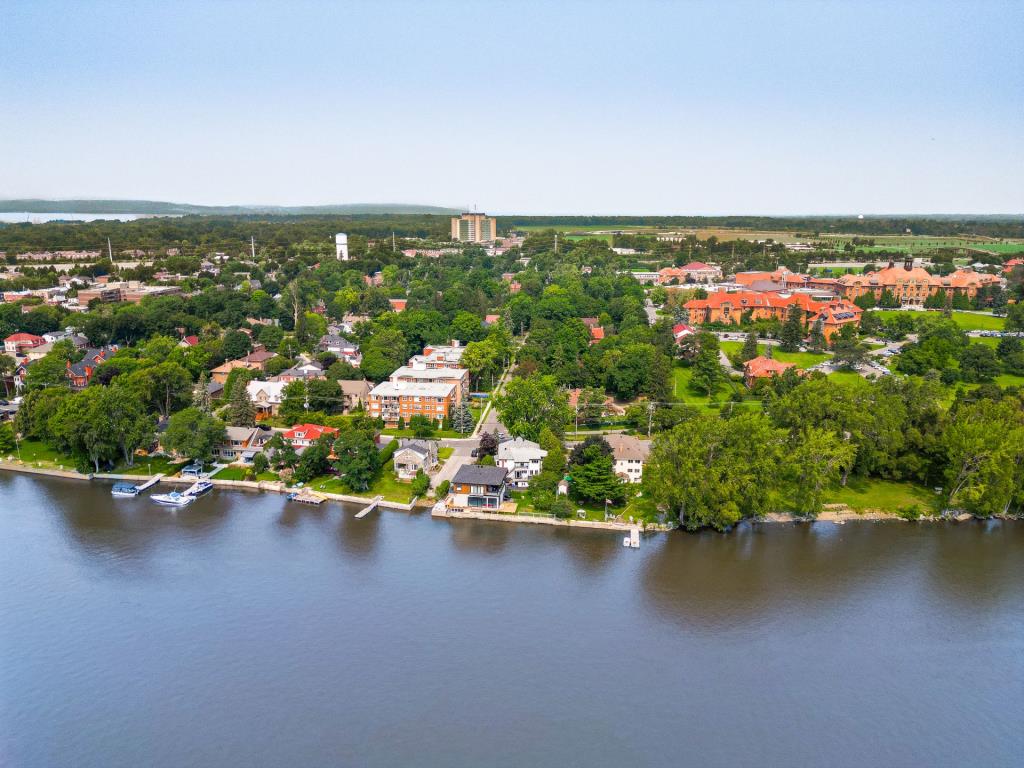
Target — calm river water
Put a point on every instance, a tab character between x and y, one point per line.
246	631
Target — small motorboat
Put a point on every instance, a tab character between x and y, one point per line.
124	490
173	499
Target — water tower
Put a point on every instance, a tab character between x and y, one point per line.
341	246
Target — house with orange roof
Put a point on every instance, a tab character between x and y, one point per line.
912	286
762	367
733	308
304	435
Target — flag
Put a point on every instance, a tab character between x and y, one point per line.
608	501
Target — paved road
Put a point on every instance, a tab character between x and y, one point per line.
652	313
461	455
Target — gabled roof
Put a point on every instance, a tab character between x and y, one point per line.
625	447
761	366
26	337
520	449
309	432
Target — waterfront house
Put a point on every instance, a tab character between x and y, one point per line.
414	456
478	487
629	454
522	459
241	444
304	435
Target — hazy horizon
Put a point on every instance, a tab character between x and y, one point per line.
578	109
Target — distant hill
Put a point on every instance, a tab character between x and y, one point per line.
159	208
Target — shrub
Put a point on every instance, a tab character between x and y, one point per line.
442	488
420	484
912	512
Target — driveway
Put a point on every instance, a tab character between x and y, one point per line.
462	450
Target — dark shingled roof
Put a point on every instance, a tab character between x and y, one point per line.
474	474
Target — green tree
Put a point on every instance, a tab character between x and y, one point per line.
792	335
978	363
236	345
314	461
817	458
166	386
201	394
193	434
358	459
462	418
707	369
260	463
593	477
530	403
241	410
749	350
714	472
984	446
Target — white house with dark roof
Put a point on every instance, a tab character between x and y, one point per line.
630	454
522	459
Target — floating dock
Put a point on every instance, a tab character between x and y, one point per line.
305	497
633	540
149	483
370	507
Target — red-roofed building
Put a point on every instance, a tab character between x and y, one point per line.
304	435
762	367
19	343
1009	266
398	305
733	308
680	331
189	341
596	334
912	286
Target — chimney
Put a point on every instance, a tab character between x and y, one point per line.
908	263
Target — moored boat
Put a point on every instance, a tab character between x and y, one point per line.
173	499
124	490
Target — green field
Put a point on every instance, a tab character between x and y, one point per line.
863	494
801	359
912	244
39	454
969	321
681	389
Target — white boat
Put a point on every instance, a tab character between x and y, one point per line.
124	490
199	488
173	499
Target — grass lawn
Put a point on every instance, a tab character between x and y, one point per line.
150	466
37	452
681	389
386	485
232	473
1010	380
863	494
443	454
969	321
844	377
801	359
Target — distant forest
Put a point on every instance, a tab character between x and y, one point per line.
278	233
160	208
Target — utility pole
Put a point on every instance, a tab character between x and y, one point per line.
110	250
556	242
252	241
392	241
650	417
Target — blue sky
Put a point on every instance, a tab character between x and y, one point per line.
632	107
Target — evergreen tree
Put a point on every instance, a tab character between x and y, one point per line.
241	412
707	370
817	340
462	418
792	330
201	394
888	300
749	351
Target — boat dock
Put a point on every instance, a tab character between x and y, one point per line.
369	507
149	483
305	497
633	540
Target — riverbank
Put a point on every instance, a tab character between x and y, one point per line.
838	514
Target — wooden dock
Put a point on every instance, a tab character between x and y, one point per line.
369	507
150	483
305	497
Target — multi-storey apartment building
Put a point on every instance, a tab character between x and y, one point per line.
474	228
400	400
